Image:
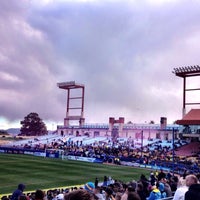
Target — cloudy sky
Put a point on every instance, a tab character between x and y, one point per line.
123	51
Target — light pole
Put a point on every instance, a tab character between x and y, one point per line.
141	142
173	150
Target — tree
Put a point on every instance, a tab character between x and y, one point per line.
32	125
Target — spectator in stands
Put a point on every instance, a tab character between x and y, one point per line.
161	175
161	187
89	186
118	196
145	183
110	180
23	197
129	189
54	194
49	195
193	192
154	194
152	178
5	198
133	196
117	188
181	189
124	189
173	182
169	175
156	174
39	195
79	195
96	182
109	195
97	192
140	191
18	192
60	196
167	188
105	181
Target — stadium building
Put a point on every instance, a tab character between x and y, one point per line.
116	128
187	128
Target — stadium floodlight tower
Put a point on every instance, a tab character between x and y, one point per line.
185	72
75	101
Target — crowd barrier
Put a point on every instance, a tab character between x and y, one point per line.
167	198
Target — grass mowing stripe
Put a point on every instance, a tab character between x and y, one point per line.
44	173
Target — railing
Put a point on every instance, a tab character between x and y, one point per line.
167	198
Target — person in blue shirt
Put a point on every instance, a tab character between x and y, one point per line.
18	191
161	187
154	194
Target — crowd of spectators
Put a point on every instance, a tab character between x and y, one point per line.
159	185
154	153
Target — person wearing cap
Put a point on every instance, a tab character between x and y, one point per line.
89	186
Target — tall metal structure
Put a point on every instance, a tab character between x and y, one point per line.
72	103
185	72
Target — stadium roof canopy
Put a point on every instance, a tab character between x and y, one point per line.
191	118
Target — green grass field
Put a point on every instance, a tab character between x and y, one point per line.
45	173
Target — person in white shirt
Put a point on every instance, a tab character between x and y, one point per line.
183	185
97	192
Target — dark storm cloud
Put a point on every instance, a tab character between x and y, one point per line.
124	52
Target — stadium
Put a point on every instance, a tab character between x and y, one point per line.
165	151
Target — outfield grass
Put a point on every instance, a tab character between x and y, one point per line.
45	173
